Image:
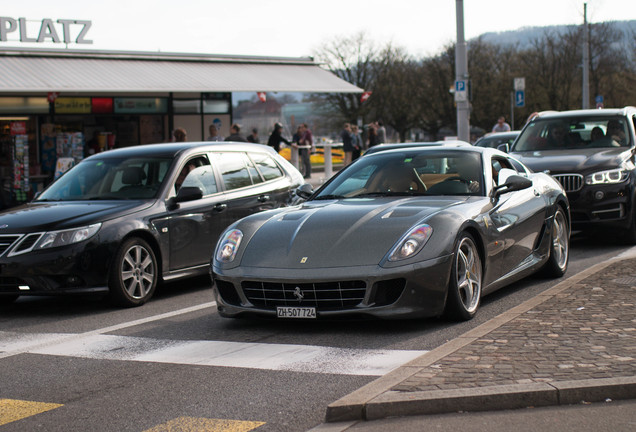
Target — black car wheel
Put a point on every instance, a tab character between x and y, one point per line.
557	264
134	273
464	290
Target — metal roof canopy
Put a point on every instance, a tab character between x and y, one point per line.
78	71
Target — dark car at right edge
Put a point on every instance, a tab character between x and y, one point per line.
592	154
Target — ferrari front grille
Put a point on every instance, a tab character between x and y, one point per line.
570	182
322	296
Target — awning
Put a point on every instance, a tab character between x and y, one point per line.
36	71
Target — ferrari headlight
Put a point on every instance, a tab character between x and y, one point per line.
411	243
228	246
607	177
67	237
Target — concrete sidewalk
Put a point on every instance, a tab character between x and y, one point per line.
574	342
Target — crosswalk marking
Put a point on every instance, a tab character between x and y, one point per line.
282	357
206	425
13	410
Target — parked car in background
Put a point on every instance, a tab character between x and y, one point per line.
591	152
393	146
495	139
124	220
405	233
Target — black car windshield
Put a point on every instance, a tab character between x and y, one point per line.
428	172
109	178
573	133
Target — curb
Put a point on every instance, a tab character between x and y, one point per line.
376	400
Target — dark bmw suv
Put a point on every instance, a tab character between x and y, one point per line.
121	221
592	154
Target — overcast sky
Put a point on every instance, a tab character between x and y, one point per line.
294	28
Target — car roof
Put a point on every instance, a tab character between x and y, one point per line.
173	149
587	112
436	149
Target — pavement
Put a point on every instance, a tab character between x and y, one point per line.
573	344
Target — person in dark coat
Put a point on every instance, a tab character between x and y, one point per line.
276	137
235	134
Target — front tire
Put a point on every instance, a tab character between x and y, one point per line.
557	263
464	289
134	273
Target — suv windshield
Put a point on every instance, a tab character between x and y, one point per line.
573	133
109	179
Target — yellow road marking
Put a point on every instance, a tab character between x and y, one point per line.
187	424
12	410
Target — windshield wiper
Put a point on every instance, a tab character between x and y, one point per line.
328	197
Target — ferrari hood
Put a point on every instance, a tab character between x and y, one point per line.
350	232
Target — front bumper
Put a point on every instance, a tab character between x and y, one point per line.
411	291
80	268
602	205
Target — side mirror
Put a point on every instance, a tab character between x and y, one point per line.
188	193
305	191
513	183
505	147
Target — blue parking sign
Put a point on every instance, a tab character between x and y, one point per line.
460	86
520	98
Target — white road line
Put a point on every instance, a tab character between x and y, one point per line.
298	358
28	343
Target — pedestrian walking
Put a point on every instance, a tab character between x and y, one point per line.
253	137
356	141
180	135
347	143
214	134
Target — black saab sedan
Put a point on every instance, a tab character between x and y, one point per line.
121	221
405	233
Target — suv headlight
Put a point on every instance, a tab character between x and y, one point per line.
66	237
228	246
618	175
411	243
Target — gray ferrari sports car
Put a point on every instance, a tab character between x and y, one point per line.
404	233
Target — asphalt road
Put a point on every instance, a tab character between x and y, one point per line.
174	361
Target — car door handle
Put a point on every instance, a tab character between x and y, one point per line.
263	198
220	207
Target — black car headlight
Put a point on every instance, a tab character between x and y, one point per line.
66	237
411	243
228	246
614	176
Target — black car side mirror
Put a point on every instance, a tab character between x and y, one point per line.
186	193
513	183
305	191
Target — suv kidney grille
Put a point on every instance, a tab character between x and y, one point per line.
570	182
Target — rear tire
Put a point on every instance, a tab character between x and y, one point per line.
464	288
133	274
557	263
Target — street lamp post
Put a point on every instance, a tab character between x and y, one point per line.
461	77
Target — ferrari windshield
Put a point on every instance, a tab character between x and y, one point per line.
573	132
409	173
109	179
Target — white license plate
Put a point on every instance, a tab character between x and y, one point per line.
295	312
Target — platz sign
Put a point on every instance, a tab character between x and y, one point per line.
61	31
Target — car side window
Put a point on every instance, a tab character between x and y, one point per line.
266	166
233	169
197	172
